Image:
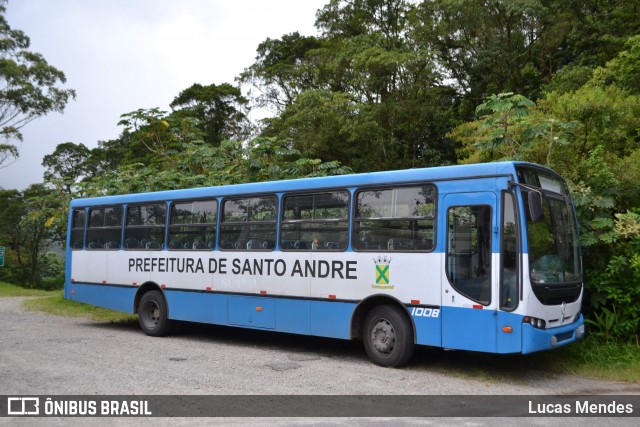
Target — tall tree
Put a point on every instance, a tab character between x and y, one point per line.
493	46
11	210
350	18
154	137
31	220
365	93
283	69
497	46
67	165
221	109
599	30
29	87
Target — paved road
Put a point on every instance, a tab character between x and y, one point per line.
42	354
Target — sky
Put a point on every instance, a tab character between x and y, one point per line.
122	55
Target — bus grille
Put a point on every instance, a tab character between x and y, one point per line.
560	300
565	336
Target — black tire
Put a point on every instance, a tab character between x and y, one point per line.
388	336
152	314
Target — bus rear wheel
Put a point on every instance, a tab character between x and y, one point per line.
388	338
152	314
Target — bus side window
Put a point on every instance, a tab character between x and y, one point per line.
316	222
509	255
400	219
192	225
104	229
249	223
145	226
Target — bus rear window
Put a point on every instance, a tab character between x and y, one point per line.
77	229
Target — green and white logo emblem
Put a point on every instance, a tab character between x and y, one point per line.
382	272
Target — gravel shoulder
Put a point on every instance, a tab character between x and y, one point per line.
48	355
42	354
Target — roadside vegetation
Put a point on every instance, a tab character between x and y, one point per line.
9	290
593	358
54	303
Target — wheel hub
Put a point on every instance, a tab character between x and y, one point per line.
383	336
153	314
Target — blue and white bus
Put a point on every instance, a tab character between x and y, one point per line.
480	257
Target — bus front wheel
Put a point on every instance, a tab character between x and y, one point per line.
388	339
152	314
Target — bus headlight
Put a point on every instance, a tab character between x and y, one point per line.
536	323
580	332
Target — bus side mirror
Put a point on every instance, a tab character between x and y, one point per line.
536	212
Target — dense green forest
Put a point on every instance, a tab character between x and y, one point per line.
386	84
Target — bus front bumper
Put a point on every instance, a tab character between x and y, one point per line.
534	339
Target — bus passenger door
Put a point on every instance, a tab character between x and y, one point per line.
468	305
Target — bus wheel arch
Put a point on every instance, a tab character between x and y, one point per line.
153	310
386	329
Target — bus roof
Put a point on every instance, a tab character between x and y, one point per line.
352	180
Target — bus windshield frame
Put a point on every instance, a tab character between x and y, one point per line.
553	241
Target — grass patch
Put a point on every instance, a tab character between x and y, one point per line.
55	304
9	290
590	358
598	359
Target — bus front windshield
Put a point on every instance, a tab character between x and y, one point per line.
554	249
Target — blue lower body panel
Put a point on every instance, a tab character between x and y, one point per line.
190	306
545	339
119	298
509	342
89	294
500	332
293	316
331	319
298	316
428	325
251	312
469	329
